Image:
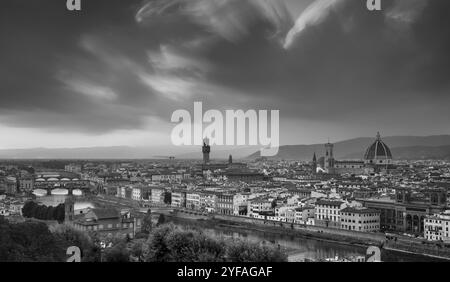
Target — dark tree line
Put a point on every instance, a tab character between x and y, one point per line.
167	198
33	210
169	243
35	242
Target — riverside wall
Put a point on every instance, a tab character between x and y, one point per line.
346	236
339	236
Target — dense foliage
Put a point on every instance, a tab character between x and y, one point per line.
28	241
33	210
89	245
171	243
35	242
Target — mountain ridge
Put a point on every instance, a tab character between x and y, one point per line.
401	146
356	147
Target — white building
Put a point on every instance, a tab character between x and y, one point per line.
121	192
157	196
327	212
178	199
193	200
436	227
303	214
136	194
208	201
168	177
258	205
240	203
75	168
360	219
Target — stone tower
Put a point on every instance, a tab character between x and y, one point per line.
329	158
69	206
230	159
314	163
206	149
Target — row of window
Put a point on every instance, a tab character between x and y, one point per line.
332	218
109	226
326	211
361	228
361	215
328	207
359	221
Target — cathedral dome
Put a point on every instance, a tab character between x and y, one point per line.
378	151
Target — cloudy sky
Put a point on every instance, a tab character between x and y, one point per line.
113	73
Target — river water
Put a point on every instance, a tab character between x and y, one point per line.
299	248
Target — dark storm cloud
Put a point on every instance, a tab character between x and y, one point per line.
40	46
117	62
352	62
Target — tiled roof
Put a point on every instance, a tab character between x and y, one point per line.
324	202
106	213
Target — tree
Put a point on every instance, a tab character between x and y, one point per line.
169	243
161	220
67	236
28	241
117	253
138	249
60	213
27	207
157	249
147	222
49	214
240	251
274	204
167	198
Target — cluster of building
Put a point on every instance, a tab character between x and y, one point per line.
375	194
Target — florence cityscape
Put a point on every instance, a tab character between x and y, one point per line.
225	131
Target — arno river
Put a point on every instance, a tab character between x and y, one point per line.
298	248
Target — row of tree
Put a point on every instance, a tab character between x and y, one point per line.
35	242
33	210
169	243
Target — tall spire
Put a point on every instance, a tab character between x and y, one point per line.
314	157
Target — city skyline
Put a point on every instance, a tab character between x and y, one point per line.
113	73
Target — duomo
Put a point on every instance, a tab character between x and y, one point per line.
377	159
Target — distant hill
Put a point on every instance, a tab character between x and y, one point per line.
114	152
402	147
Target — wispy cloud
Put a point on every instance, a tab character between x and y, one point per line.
312	15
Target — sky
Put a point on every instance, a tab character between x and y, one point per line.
114	72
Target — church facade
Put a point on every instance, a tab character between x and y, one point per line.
377	158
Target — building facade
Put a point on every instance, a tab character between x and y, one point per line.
327	213
360	219
224	204
436	227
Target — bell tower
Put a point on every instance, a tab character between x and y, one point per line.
69	207
329	158
206	149
314	164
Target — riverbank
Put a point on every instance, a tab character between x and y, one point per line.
335	236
